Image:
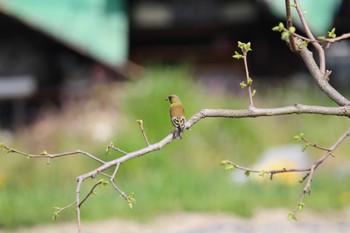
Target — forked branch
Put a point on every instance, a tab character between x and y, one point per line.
309	171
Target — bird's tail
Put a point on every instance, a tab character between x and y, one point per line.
177	133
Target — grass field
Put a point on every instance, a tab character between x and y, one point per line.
185	175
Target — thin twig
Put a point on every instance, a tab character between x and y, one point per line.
90	192
77	202
327	40
318	47
313	144
289	25
204	113
339	38
272	172
50	156
115	186
143	131
111	146
310	171
336	39
318	77
315	165
59	210
245	59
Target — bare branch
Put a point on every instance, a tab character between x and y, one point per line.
314	166
272	172
204	113
90	192
111	146
318	77
329	41
77	201
59	210
143	131
44	154
339	38
289	25
259	112
310	171
313	145
245	59
318	47
129	156
115	186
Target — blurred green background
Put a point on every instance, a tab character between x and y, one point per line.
183	176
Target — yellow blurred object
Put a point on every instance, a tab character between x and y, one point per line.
277	158
344	197
288	178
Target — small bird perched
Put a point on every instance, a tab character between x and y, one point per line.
177	114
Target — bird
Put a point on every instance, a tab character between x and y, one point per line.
177	115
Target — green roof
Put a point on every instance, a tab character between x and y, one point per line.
97	28
319	14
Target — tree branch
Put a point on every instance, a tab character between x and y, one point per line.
259	112
315	165
143	131
248	78
289	24
339	38
318	77
204	113
252	112
310	171
44	154
318	47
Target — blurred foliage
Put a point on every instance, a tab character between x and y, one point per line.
185	175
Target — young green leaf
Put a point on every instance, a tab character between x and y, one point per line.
332	34
229	167
254	92
281	26
243	84
285	35
103	182
300	206
131	200
237	55
304	43
262	173
55	216
298	137
223	162
240	45
291	216
249	81
276	29
107	152
247	47
305	147
291	29
44	152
